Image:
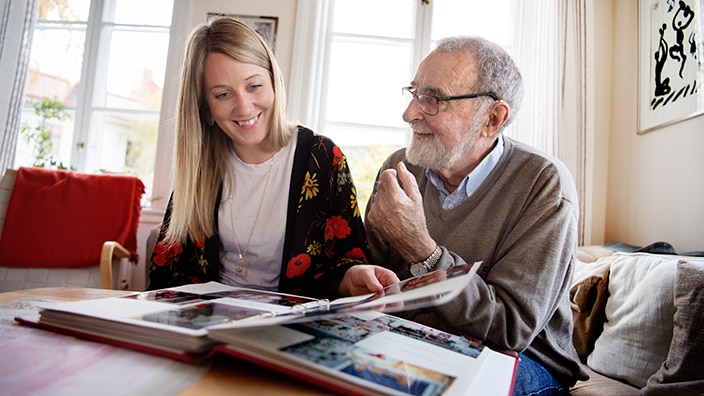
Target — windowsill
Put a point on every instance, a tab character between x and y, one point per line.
151	216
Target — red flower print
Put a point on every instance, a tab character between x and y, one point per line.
164	253
337	153
336	227
298	265
356	254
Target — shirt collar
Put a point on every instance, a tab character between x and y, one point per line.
473	180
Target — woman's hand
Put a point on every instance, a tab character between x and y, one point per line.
365	278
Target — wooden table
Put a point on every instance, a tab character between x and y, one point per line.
227	375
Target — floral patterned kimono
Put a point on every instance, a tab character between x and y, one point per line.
324	230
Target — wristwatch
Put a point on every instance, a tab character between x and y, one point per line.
426	265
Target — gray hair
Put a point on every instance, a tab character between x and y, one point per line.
497	71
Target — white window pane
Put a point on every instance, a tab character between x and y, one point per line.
136	70
58	144
127	144
366	148
120	104
348	135
63	10
489	19
390	18
364	91
365	157
144	12
56	55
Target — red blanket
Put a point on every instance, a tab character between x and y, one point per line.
61	218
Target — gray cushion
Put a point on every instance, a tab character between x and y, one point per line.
682	373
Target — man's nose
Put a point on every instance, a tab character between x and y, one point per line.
413	111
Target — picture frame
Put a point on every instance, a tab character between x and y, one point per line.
671	62
266	26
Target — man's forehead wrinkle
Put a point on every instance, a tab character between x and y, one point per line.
444	75
430	88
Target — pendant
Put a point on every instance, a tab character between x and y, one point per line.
241	268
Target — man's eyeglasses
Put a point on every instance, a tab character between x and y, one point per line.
429	103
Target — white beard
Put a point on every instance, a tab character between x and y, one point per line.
433	154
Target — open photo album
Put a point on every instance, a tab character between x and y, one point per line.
350	345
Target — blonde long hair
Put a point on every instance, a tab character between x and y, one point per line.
202	151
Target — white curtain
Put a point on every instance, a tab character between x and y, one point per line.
16	28
536	51
309	45
550	48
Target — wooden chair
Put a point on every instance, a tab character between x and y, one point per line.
105	265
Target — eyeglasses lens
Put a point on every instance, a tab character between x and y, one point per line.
428	104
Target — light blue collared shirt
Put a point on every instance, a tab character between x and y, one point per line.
471	182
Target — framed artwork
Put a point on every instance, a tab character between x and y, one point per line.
671	62
264	25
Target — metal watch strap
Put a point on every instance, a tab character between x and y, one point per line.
426	265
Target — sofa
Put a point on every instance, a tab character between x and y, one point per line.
638	322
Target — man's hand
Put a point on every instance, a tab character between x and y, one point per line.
363	279
396	213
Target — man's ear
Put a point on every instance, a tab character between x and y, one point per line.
498	115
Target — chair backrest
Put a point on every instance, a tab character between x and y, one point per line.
54	225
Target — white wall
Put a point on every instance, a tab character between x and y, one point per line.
655	184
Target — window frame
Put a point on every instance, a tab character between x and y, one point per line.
86	139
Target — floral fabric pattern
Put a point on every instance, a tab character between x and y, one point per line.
324	230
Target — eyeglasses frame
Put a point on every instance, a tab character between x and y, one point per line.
438	99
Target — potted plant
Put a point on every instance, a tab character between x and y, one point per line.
40	134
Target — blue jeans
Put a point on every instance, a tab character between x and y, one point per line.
533	379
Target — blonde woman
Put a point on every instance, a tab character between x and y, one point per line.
257	201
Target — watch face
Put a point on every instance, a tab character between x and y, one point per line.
418	269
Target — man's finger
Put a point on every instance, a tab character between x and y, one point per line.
408	181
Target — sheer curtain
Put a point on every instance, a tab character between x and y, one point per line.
310	47
550	49
16	28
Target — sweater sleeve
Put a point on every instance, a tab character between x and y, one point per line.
524	285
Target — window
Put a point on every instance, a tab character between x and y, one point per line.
104	63
374	47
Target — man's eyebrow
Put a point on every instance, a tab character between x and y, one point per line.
427	90
431	91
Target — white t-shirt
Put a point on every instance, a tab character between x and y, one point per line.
267	241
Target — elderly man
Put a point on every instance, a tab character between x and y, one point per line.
462	192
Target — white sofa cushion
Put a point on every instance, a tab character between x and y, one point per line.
639	312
